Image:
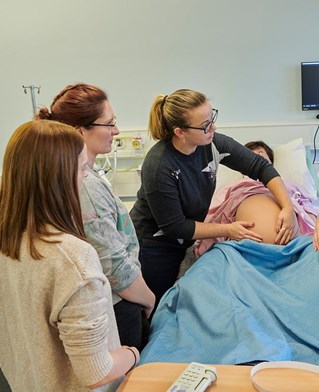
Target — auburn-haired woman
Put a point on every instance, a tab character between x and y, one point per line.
107	223
57	328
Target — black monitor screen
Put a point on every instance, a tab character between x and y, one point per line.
310	85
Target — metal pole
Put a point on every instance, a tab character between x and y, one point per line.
32	88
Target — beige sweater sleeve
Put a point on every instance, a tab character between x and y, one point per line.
87	326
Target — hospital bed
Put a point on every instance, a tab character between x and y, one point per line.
245	302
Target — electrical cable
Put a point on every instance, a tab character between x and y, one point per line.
314	145
108	170
107	163
114	168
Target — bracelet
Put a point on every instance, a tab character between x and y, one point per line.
135	359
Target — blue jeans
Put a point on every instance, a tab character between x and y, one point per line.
160	267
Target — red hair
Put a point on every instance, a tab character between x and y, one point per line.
78	105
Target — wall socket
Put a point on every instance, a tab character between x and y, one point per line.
120	143
128	146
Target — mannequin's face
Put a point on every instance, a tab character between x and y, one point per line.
261	151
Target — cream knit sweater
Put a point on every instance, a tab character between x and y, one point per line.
57	324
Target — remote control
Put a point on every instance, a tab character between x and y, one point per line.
197	377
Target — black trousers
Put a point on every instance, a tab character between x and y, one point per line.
160	268
132	326
4	386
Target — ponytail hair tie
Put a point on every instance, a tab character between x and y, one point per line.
43	114
163	102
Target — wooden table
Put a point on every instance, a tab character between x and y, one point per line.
158	376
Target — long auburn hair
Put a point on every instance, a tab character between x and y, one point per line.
39	186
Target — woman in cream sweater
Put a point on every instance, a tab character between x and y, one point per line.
57	328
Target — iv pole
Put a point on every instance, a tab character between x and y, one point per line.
32	88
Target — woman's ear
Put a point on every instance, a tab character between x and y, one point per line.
80	129
179	132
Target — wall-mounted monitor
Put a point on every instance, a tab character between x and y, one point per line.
310	85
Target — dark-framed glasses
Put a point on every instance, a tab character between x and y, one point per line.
212	120
111	124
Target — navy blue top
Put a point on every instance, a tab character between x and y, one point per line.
177	189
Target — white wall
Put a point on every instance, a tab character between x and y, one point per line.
244	54
126	183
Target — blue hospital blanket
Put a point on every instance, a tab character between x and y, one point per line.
241	302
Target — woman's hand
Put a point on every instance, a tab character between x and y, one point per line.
287	226
139	292
239	231
148	310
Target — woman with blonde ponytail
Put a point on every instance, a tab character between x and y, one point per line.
178	181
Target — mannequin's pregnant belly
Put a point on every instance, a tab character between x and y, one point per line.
263	211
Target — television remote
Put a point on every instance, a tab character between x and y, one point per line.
197	377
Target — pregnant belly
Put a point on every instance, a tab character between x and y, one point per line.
263	211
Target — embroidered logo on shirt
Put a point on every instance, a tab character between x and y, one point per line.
175	173
212	166
211	169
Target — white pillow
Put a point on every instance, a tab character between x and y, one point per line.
226	176
290	162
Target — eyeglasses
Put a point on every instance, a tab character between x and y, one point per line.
113	124
206	128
